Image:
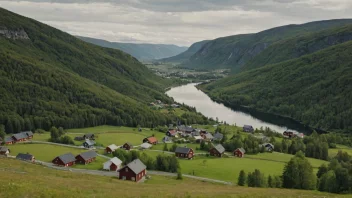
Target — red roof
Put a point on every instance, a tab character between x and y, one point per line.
173	131
152	140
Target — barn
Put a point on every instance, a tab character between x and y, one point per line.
127	146
134	171
217	151
86	157
183	152
113	164
25	157
111	148
239	152
67	159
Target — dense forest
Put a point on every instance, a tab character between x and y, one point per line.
50	78
314	89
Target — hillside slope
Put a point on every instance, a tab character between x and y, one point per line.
184	56
315	89
49	77
140	51
235	51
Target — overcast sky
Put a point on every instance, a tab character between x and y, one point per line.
180	22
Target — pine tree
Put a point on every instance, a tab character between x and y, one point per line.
242	178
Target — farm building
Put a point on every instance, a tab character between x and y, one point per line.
9	140
19	137
86	157
217	151
218	136
79	138
113	164
150	140
65	160
134	171
167	139
171	133
111	148
127	146
268	147
183	152
207	136
239	152
4	150
88	144
248	128
89	136
25	157
146	146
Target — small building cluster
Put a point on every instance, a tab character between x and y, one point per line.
87	136
69	159
292	134
18	137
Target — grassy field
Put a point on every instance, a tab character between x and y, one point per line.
19	179
333	152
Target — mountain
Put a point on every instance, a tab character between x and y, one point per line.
315	89
184	56
142	52
50	78
235	51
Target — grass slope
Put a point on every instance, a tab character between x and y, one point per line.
314	89
20	179
235	51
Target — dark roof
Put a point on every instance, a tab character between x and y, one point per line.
185	128
219	148
183	150
3	148
27	133
248	126
89	135
22	156
218	136
67	158
136	166
242	150
90	142
88	155
20	136
8	139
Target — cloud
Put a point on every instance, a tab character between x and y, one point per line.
181	22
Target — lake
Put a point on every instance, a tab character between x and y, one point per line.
191	96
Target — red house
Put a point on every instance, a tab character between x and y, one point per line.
9	140
111	148
65	160
134	171
183	152
171	133
150	140
127	146
239	152
217	151
86	157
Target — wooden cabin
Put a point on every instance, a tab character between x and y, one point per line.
25	157
9	141
183	152
134	171
150	140
113	164
217	151
86	157
127	146
67	159
239	152
248	128
111	148
4	150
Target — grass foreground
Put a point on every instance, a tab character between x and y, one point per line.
20	179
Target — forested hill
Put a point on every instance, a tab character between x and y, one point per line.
185	56
315	89
235	51
143	52
49	77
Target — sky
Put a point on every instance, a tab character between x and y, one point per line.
179	22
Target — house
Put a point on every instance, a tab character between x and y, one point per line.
79	138
9	140
150	140
88	143
65	160
287	133
25	157
268	147
207	136
89	136
111	148
217	151
4	150
127	146
183	152
218	136
146	146
86	157
167	139
239	152
28	134
113	164
19	137
195	133
171	133
134	171
198	139
248	128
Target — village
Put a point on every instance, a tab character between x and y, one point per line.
187	139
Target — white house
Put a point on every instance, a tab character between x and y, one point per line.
111	148
146	146
113	164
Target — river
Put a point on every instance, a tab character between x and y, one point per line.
191	96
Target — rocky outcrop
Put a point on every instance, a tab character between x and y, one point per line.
13	34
